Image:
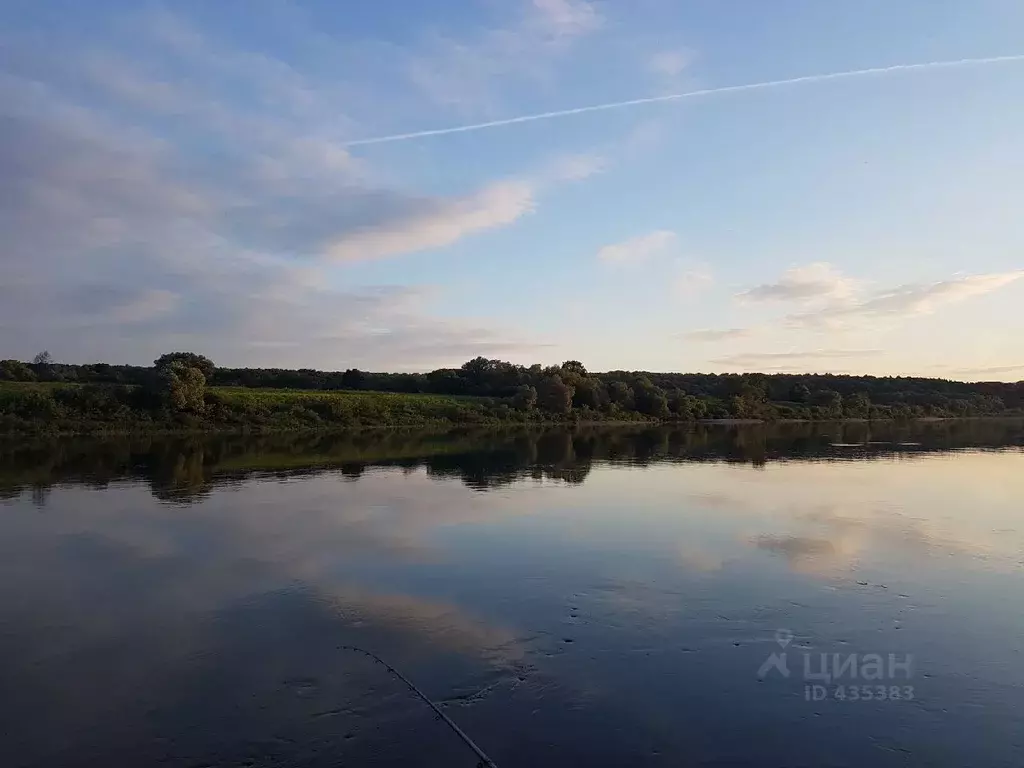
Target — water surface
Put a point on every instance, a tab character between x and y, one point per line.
575	597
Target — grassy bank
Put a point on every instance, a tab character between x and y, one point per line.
47	408
56	408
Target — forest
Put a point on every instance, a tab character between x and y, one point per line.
187	391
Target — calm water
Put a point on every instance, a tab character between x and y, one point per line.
598	598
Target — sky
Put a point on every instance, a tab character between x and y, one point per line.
274	183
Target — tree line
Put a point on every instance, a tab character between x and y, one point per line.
179	384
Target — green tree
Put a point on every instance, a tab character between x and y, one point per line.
554	395
15	370
857	405
621	394
574	366
183	387
684	406
353	378
525	398
650	400
190	359
590	393
829	403
800	393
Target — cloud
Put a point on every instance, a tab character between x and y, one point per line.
988	370
271	81
834	300
470	71
637	250
576	167
670	63
782	360
716	334
443	224
907	300
145	246
125	82
692	279
810	283
570	18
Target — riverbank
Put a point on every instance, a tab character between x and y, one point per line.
55	408
62	409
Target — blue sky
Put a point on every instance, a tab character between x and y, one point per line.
193	175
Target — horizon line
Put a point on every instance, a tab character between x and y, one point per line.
767	84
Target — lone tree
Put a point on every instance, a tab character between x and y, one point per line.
182	386
44	367
200	362
182	378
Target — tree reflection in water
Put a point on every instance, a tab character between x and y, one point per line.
183	469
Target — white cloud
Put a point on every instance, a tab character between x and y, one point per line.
814	282
124	81
692	279
670	63
906	300
570	18
638	249
576	167
994	369
787	360
145	247
278	82
716	334
468	71
449	221
809	359
810	354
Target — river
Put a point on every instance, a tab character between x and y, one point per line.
789	595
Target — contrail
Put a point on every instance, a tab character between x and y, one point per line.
686	95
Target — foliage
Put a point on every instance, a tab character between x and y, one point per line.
182	386
650	400
188	359
186	391
15	370
525	398
554	395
